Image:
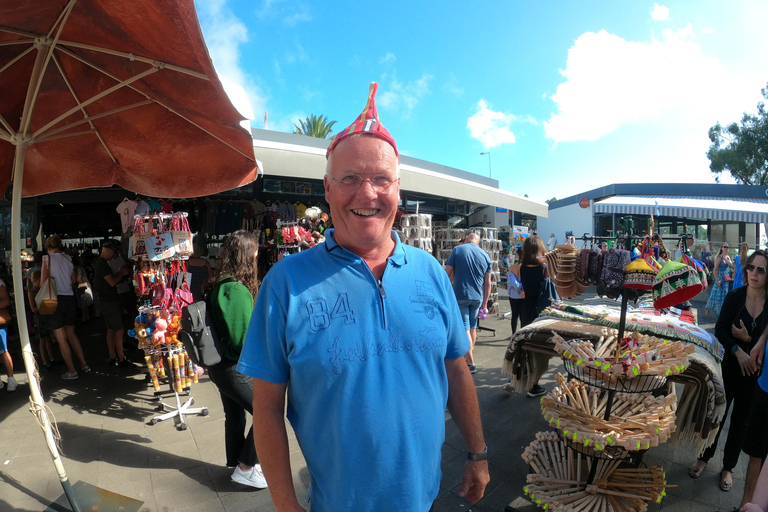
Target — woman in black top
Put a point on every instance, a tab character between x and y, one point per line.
532	271
743	317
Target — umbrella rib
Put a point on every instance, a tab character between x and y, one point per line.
6	125
87	102
72	134
131	56
20	41
85	112
18	32
13	60
251	158
89	119
97	68
40	67
62	18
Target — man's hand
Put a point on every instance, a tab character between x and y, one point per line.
474	480
751	507
757	353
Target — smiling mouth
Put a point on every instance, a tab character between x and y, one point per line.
365	213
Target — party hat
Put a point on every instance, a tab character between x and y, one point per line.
367	122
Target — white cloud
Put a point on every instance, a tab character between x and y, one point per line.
389	58
224	35
452	86
290	13
611	82
493	128
404	98
660	12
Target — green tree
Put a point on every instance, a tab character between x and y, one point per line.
315	126
742	149
551	200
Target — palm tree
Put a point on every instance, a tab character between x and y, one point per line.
315	126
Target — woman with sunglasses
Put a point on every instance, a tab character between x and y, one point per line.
721	276
743	317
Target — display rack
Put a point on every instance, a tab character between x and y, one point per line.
176	390
604	428
417	229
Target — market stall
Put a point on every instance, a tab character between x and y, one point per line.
627	369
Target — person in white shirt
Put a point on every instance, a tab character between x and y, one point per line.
552	242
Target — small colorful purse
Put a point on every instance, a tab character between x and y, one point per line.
182	236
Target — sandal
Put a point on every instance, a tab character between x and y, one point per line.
696	470
726	483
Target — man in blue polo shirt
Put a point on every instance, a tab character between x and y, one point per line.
469	268
363	336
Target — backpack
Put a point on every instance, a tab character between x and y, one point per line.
198	333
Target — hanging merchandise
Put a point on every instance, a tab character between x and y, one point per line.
137	245
182	236
162	289
674	284
639	275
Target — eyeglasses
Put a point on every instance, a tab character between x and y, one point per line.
752	268
378	183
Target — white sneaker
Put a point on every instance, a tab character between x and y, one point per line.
254	477
11	384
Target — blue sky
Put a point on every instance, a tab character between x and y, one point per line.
567	96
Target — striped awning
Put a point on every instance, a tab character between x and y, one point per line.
733	209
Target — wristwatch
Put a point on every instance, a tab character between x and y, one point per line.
478	456
735	348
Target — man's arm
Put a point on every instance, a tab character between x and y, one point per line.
465	410
449	271
271	440
486	290
759	501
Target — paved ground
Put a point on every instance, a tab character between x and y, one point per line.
107	443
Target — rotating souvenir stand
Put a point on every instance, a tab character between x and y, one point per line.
165	357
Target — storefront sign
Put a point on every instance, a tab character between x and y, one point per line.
584	202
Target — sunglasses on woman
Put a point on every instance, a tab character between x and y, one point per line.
752	268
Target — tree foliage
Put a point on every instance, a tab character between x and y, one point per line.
551	200
742	149
315	126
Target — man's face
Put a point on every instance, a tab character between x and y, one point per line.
363	216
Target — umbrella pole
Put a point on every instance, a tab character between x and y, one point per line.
38	407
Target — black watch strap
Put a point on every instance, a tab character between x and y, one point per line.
478	456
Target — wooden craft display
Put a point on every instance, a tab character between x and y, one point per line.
635	422
559	480
638	354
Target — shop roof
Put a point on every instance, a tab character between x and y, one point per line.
298	156
736	209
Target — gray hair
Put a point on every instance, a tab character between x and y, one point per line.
472	238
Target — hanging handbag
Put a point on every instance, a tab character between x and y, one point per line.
160	245
137	246
46	298
182	236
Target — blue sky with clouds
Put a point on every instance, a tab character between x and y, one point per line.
566	96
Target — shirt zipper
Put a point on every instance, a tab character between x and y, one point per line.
382	296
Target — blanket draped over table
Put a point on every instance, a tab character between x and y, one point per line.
701	404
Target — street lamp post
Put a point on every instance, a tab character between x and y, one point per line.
489	162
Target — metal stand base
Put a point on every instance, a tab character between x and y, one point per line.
178	411
485	328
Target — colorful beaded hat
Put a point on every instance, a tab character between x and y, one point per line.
368	123
675	283
639	275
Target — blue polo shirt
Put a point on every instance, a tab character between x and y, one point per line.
470	264
365	365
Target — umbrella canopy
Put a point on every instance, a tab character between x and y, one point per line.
101	92
110	92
